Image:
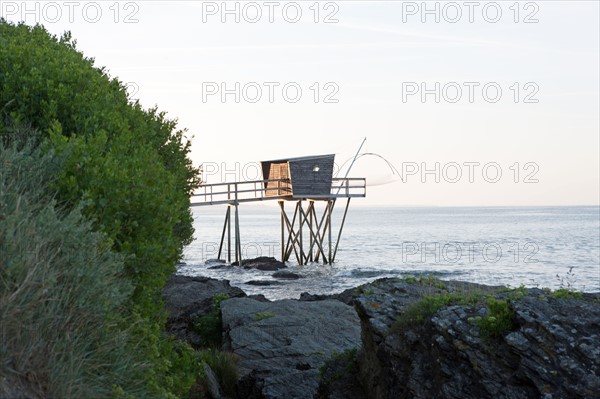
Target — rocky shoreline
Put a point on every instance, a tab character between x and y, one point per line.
399	338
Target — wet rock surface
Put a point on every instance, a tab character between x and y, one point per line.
262	263
282	344
286	275
550	350
263	283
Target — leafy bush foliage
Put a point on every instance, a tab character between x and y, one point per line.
125	168
128	166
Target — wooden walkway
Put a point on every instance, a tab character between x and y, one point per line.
256	190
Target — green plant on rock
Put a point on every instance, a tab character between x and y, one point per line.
409	279
428	280
427	306
209	326
263	316
567	282
565	293
498	321
515	293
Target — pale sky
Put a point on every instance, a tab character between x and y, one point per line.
374	59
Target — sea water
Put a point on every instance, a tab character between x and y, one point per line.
554	247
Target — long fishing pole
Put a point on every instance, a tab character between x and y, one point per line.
351	164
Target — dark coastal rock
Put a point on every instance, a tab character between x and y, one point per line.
282	344
217	264
550	348
216	267
259	297
186	298
346	296
262	263
286	275
263	283
209	261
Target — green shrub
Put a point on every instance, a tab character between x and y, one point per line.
61	298
125	168
128	166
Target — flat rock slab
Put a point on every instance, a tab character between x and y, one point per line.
282	344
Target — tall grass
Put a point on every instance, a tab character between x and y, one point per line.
61	330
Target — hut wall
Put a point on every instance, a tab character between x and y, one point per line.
306	182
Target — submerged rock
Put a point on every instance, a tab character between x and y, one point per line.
262	263
282	344
263	283
187	297
216	267
286	275
209	261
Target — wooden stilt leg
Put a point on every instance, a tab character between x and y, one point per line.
282	210
223	233
228	233
310	226
340	232
300	223
329	232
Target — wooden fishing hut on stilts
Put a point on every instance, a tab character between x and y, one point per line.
303	181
